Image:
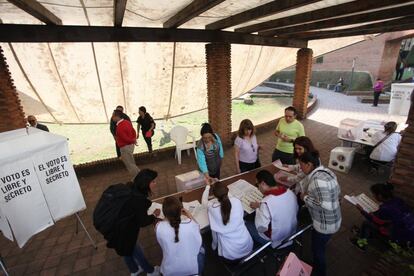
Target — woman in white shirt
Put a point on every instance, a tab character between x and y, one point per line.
387	143
230	235
246	148
275	218
180	241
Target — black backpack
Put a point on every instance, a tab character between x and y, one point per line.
109	206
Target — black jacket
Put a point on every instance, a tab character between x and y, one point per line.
132	217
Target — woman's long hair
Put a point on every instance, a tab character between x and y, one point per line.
172	211
390	127
305	142
221	192
142	181
245	124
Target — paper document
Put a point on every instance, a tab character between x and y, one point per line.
246	193
367	204
198	211
154	206
281	174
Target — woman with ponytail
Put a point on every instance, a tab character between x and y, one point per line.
230	235
392	221
180	240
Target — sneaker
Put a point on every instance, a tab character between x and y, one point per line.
156	271
140	270
361	244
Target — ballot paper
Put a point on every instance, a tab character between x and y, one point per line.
281	174
246	193
367	204
198	211
155	206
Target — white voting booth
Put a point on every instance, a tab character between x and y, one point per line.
400	98
38	184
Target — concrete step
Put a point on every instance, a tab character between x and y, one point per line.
370	99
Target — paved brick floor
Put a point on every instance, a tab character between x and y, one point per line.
60	251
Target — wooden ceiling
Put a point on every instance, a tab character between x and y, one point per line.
358	17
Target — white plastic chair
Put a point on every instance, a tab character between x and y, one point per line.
179	135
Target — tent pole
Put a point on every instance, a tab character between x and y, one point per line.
3	266
86	231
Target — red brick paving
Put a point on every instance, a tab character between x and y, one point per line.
60	251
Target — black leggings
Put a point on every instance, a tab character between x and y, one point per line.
245	167
148	140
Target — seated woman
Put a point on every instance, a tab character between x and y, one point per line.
275	218
386	144
230	235
392	221
180	241
209	152
301	145
246	149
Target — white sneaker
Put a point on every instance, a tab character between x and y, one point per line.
156	271
140	270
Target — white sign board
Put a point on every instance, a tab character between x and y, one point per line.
38	184
58	181
5	227
22	200
400	98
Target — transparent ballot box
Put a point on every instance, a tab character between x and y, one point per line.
189	181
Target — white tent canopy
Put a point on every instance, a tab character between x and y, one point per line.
83	82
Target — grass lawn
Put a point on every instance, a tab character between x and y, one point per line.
94	142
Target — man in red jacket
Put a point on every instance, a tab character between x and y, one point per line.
126	137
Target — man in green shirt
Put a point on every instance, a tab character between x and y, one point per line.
287	130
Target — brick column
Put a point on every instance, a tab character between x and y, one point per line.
389	60
218	59
403	171
302	81
11	111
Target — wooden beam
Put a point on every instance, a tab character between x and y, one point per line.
119	11
37	10
381	27
48	33
320	14
258	12
343	21
194	9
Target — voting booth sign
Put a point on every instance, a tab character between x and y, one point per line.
38	184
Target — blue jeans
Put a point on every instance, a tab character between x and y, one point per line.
319	242
251	227
138	259
200	260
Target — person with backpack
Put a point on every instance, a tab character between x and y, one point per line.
209	152
225	213
321	196
180	240
119	215
147	124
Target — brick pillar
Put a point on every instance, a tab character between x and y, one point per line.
218	59
389	60
302	81
403	171
11	111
